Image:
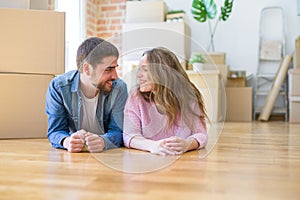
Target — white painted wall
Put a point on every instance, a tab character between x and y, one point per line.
239	35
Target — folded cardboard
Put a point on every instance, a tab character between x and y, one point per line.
294	103
145	11
275	89
32	41
22	105
239	104
294	82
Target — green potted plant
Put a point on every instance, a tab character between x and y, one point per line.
175	15
197	60
206	10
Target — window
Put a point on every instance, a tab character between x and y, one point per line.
74	28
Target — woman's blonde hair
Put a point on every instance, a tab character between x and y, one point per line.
173	91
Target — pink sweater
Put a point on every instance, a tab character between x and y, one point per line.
141	118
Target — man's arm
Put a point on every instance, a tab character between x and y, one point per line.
114	136
57	117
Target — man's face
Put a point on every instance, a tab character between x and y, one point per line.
105	73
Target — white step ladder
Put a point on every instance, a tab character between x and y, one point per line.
271	53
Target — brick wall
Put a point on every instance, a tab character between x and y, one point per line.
104	18
91	18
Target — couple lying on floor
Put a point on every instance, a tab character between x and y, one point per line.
90	108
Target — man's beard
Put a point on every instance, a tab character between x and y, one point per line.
104	86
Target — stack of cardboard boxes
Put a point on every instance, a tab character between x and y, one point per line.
294	86
238	97
225	92
210	81
145	27
145	11
32	53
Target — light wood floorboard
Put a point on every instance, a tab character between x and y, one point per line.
250	161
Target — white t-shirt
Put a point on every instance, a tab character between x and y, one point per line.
89	119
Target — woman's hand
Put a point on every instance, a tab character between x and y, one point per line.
159	147
180	145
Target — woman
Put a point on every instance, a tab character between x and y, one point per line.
165	114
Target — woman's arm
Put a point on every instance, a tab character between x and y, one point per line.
199	133
156	147
197	139
180	145
132	135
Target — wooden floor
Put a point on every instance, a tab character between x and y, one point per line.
249	161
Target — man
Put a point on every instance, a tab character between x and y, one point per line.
85	106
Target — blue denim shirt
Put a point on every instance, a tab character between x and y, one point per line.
63	107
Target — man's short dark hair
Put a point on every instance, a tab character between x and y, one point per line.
93	50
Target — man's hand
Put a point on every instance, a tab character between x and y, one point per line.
75	142
95	143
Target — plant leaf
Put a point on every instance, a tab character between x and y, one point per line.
211	8
203	9
226	10
198	11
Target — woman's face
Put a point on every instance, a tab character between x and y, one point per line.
144	76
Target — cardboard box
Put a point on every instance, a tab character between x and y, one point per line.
236	78
22	105
205	79
145	11
236	82
155	34
297	41
215	58
222	68
22	4
294	103
237	73
239	104
32	41
296	58
294	82
208	83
